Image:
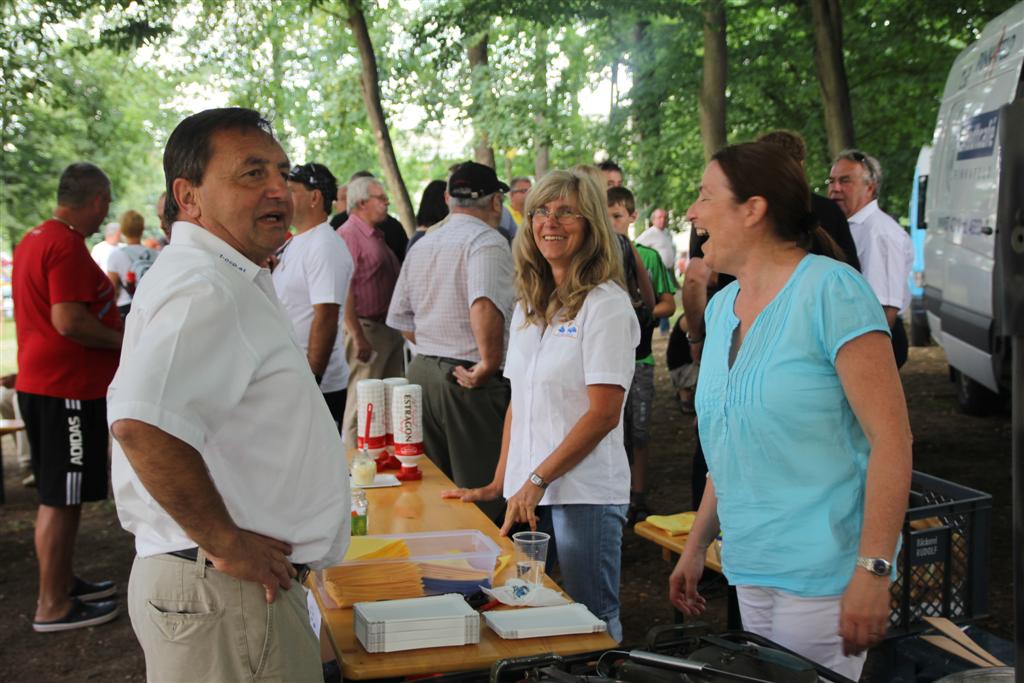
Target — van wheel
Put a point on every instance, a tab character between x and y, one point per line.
971	397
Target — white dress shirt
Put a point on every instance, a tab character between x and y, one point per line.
316	268
549	370
208	357
661	242
886	255
443	274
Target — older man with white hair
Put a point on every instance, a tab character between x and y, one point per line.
111	241
373	350
885	251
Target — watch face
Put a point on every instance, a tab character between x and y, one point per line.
880	567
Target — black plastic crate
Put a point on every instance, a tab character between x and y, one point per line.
943	566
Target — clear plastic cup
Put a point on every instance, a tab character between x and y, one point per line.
531	554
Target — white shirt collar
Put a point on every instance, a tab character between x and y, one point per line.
190	234
865	212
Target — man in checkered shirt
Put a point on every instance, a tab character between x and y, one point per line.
454	300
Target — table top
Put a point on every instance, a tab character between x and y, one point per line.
712	560
11	426
417	506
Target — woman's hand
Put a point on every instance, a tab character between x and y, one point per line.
864	612
490	492
522	507
682	583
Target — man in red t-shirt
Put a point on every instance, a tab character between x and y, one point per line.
69	340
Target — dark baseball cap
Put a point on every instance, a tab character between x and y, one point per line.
472	181
315	177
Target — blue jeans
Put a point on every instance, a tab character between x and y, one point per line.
588	546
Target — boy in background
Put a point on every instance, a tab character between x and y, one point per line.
637	418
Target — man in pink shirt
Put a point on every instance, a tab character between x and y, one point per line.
373	349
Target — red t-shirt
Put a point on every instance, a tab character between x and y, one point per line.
52	266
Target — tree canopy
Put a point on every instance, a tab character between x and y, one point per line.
565	82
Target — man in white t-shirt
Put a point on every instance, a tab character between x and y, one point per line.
885	251
111	239
659	238
311	278
228	468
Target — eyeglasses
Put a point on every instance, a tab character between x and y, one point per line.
520	191
564	215
381	197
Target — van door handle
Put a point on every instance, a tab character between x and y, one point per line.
987	230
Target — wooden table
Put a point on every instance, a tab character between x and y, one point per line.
7	427
673	545
414	507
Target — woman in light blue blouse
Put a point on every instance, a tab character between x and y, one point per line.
802	417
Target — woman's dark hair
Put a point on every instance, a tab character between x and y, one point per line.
188	149
432	205
763	169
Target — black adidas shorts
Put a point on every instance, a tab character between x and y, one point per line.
68	439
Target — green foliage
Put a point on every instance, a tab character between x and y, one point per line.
89	79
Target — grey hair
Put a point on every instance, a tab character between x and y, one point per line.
870	164
479	203
359	191
519	179
80	183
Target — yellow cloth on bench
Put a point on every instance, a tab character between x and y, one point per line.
674	525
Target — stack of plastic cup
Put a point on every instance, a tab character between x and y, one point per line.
407	420
389	384
371	392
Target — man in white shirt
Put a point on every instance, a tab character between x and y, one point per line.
102	250
884	249
659	238
311	278
228	468
453	299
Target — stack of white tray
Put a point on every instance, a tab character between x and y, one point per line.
536	622
414	623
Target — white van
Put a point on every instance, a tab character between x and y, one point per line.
961	211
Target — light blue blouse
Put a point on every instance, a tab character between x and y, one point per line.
785	451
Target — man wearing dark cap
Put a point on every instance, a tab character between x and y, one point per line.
311	278
453	299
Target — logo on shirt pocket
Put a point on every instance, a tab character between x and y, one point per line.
567	329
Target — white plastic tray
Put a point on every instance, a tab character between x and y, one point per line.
381	481
535	622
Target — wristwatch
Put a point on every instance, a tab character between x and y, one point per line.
879	566
538	480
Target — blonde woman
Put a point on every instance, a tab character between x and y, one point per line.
570	362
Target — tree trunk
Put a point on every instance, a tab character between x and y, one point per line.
375	112
542	151
828	57
712	88
483	153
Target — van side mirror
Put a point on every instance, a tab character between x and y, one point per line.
1009	252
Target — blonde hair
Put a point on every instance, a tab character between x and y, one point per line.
598	260
132	224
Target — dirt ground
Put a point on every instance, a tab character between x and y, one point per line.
968	450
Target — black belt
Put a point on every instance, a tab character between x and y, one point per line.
301	570
452	361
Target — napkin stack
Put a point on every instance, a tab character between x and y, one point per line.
436	621
349	584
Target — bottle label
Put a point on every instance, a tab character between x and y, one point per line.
409	448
